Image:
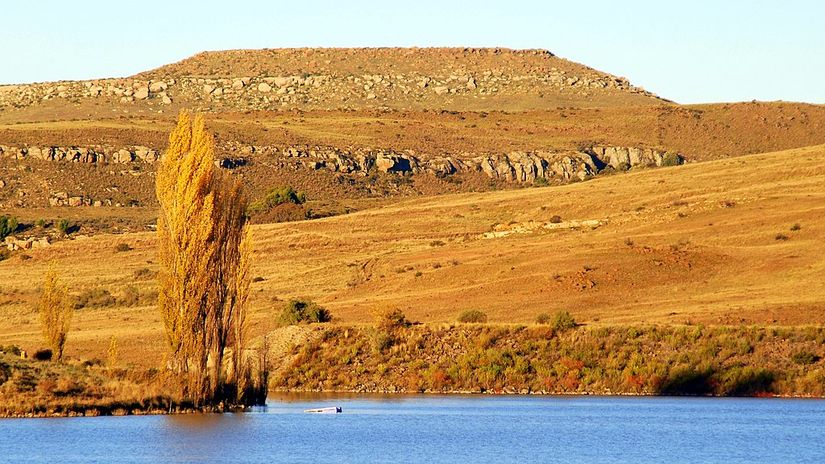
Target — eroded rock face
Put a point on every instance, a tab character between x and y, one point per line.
514	167
94	154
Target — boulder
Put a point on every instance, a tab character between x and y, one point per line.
141	93
281	81
264	87
122	156
41	243
159	86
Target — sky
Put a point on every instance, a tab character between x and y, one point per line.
695	51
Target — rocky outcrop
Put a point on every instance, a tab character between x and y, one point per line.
14	243
93	154
513	167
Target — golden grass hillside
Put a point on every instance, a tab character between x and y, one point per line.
733	241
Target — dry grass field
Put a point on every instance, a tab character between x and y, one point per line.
731	241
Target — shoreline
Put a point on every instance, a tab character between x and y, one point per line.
349	394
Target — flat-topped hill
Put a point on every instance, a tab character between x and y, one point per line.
348	78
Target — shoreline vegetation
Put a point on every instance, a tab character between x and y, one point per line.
539	359
459	358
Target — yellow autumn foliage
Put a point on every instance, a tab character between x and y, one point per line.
55	312
203	240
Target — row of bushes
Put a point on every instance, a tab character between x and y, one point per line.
9	225
561	320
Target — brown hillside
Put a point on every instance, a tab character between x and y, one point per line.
735	241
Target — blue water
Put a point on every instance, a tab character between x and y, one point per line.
450	429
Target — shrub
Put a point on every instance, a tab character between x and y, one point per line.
41	223
277	196
543	318
390	319
63	226
781	237
671	159
472	315
381	340
555	219
562	321
122	247
541	182
144	274
297	311
95	298
804	358
8	225
130	296
11	349
796	227
43	355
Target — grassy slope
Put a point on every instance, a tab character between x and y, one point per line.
704	249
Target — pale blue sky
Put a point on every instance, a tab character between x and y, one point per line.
689	51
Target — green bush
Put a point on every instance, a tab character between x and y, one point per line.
562	321
297	311
275	197
8	225
804	358
63	226
472	315
543	318
671	159
381	340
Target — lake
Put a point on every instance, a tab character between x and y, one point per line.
440	429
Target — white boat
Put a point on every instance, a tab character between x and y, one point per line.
329	410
